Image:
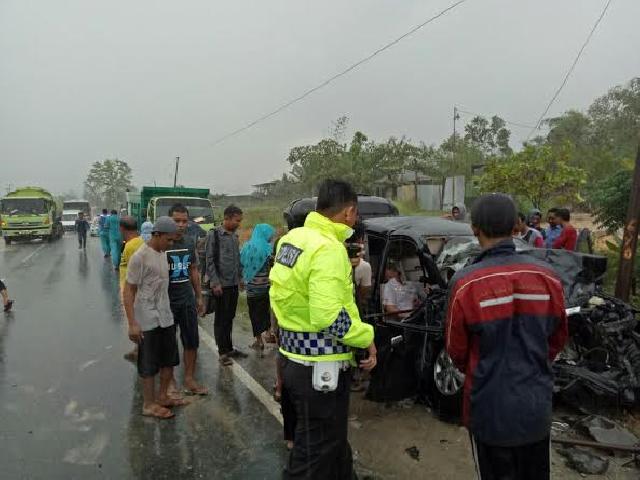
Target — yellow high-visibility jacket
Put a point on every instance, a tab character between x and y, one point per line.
312	293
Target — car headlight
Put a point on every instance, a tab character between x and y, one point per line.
46	221
3	223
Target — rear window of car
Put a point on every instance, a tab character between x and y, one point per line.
371	209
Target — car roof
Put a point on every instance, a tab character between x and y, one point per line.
369	206
310	202
417	227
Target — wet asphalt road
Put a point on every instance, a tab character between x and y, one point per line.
69	403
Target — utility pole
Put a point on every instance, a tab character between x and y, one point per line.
630	236
175	175
453	156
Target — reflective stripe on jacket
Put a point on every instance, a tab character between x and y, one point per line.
506	323
312	292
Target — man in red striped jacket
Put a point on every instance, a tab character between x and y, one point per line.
506	323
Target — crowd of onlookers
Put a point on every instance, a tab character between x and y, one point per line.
559	233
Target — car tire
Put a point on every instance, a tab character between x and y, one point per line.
7	240
445	394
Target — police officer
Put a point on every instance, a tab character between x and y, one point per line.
312	298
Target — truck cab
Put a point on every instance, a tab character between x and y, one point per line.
153	202
69	218
30	213
200	209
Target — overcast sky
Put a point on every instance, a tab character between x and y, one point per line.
148	80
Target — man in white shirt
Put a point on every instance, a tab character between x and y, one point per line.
151	325
398	296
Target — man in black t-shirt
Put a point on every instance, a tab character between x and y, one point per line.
185	295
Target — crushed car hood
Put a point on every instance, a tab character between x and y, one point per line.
580	273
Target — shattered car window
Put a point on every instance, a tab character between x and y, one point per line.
457	253
580	273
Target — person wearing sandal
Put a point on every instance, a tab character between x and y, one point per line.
224	272
185	295
151	325
256	260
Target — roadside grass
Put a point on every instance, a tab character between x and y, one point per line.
413	210
267	213
271	214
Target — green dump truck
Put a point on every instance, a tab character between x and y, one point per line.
153	202
28	213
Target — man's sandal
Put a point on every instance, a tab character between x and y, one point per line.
158	411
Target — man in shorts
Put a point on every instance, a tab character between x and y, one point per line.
132	242
185	295
146	303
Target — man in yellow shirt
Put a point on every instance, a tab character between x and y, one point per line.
319	324
129	232
133	241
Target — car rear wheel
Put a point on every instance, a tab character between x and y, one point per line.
446	392
7	240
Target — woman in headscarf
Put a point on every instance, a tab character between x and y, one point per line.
534	219
256	258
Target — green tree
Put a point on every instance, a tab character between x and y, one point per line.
604	137
616	119
107	183
491	138
536	175
610	200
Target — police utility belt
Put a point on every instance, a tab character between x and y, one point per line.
325	374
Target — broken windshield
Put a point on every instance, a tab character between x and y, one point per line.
580	273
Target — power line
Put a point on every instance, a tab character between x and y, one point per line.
572	68
517	124
336	76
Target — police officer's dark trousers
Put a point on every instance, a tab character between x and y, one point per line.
321	449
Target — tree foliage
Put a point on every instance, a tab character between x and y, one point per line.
364	162
580	149
490	138
606	136
107	183
535	175
610	199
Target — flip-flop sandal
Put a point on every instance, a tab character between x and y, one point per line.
175	402
155	414
227	362
202	391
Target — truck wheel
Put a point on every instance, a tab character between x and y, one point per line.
7	240
445	394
